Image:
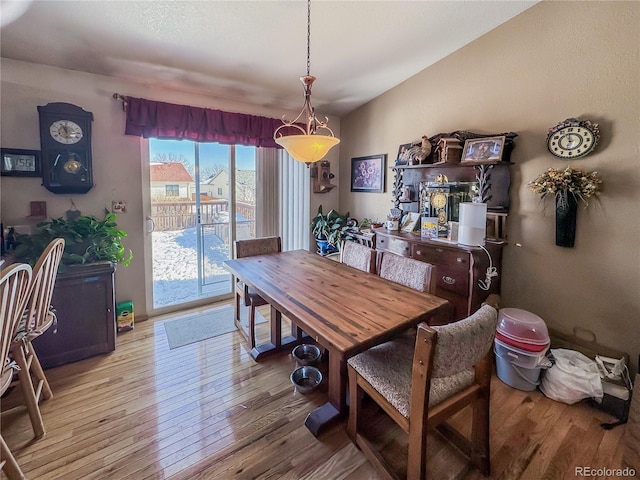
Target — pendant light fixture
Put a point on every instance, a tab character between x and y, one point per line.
309	146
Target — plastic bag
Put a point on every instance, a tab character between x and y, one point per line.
572	378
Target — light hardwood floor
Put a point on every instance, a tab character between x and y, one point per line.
208	411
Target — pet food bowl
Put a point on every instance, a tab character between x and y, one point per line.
306	354
306	378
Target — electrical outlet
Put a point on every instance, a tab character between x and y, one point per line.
118	207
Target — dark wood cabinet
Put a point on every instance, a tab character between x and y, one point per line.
84	300
460	270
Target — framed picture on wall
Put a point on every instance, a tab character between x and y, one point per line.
20	163
367	173
483	150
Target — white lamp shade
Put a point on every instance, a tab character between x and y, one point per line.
473	224
308	148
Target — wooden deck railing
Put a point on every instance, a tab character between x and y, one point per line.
181	215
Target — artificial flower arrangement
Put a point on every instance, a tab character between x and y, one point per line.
560	183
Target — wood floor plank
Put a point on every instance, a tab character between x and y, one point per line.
208	411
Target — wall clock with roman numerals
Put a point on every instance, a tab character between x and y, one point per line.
65	142
573	138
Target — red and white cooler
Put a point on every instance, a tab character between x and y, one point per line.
521	343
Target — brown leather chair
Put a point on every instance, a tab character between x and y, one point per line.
38	318
409	272
251	299
15	284
420	381
358	256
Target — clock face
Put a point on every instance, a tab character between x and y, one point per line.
66	132
438	200
573	138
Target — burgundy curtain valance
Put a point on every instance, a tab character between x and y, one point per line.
149	118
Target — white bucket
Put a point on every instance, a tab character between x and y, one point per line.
526	379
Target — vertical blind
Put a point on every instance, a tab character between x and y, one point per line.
295	192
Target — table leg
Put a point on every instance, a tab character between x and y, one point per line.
336	408
277	343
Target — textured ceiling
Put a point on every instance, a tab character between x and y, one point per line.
251	51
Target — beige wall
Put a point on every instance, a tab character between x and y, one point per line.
120	162
554	61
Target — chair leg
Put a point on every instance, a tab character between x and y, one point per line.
28	392
237	307
8	462
252	326
355	404
38	373
480	453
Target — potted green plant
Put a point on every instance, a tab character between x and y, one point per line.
328	230
87	240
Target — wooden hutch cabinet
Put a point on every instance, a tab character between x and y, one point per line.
461	270
84	300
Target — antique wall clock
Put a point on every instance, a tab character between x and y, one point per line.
573	138
65	142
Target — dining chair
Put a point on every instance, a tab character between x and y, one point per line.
358	256
15	282
421	381
409	272
39	316
251	299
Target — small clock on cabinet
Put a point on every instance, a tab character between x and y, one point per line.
65	142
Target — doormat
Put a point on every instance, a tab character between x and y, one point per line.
200	326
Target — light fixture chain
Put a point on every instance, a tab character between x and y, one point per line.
308	37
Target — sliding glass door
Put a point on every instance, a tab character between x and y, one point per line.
202	199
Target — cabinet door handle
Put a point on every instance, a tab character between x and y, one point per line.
439	250
459	259
449	280
418	252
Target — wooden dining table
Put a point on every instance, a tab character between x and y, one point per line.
343	309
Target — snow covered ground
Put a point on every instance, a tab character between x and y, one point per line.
175	266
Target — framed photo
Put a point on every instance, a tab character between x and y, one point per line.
20	163
401	159
367	173
429	227
410	222
483	150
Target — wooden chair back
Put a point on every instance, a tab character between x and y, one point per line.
257	246
358	256
251	299
449	367
15	284
44	278
409	272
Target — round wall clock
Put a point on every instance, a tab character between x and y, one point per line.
573	138
65	141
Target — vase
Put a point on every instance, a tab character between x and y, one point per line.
566	213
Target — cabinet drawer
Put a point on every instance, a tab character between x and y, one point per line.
452	280
392	244
440	256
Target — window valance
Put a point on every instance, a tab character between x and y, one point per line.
149	118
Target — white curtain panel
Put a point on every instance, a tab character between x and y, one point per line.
295	193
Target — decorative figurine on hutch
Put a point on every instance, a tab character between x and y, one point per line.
418	153
449	151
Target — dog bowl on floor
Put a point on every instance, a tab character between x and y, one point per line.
306	378
306	354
